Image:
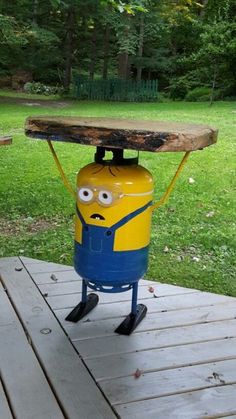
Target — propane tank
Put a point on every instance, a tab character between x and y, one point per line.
113	222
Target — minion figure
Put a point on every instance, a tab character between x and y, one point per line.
114	202
112	233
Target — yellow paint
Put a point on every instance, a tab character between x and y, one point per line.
131	188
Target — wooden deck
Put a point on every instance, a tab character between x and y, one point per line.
179	363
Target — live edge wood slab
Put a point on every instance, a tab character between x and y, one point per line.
152	136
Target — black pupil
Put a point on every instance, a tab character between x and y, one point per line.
86	193
105	196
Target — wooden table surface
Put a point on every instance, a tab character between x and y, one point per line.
152	136
179	363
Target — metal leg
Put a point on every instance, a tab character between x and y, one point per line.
134	299
87	303
84	292
138	312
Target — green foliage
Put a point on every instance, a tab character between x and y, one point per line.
200	94
179	87
129	7
182	43
10	33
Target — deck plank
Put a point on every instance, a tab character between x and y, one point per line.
73	385
102	346
157	289
123	365
155	305
208	403
153	321
59	277
5	411
28	390
163	383
49	267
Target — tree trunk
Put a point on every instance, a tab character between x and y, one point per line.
123	56
213	84
106	52
203	8
140	48
93	55
69	48
123	65
35	12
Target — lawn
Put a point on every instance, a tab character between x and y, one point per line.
193	236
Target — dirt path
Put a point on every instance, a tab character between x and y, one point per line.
35	102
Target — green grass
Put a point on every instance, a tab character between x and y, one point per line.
197	225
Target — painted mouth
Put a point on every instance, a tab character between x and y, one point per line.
97	217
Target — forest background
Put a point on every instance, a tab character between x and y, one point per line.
189	46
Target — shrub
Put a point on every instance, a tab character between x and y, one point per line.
179	88
42	89
203	94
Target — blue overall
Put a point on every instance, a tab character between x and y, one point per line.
97	262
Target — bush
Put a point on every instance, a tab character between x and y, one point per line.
41	89
203	94
179	88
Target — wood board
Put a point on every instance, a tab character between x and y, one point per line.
29	392
154	136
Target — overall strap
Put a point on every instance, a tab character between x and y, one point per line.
130	216
121	222
80	216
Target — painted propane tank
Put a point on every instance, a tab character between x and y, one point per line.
113	223
112	231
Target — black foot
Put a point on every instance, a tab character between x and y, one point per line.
131	321
83	308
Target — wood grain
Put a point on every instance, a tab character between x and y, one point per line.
152	136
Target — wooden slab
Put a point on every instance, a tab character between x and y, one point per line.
72	384
5	140
152	136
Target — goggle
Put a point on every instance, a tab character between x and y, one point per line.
105	197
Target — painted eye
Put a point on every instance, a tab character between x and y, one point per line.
85	194
105	197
